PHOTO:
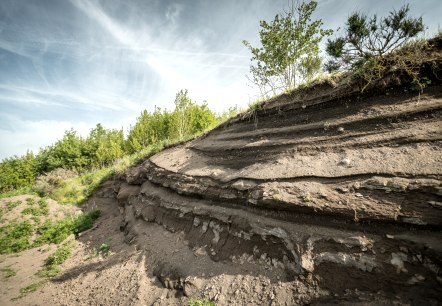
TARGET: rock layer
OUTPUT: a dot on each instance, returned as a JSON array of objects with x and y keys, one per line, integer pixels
[{"x": 327, "y": 184}]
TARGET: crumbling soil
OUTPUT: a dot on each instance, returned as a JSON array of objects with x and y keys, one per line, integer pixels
[{"x": 323, "y": 196}]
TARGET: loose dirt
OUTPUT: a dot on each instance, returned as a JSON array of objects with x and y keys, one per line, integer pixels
[{"x": 327, "y": 195}]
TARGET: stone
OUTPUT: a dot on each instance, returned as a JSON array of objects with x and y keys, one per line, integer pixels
[
  {"x": 191, "y": 286},
  {"x": 200, "y": 251},
  {"x": 243, "y": 185},
  {"x": 345, "y": 162}
]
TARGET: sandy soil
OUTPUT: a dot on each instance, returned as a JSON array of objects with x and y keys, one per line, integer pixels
[{"x": 323, "y": 196}]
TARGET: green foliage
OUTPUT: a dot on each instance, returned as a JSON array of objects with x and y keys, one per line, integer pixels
[
  {"x": 41, "y": 210},
  {"x": 16, "y": 172},
  {"x": 196, "y": 302},
  {"x": 12, "y": 204},
  {"x": 104, "y": 249},
  {"x": 55, "y": 170},
  {"x": 8, "y": 272},
  {"x": 30, "y": 288},
  {"x": 187, "y": 119},
  {"x": 290, "y": 49},
  {"x": 56, "y": 232},
  {"x": 15, "y": 237},
  {"x": 60, "y": 255},
  {"x": 367, "y": 38},
  {"x": 51, "y": 266}
]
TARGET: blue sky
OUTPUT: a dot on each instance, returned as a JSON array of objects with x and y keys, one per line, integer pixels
[{"x": 76, "y": 63}]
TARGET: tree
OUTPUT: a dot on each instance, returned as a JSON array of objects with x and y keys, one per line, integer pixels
[
  {"x": 366, "y": 38},
  {"x": 182, "y": 102},
  {"x": 290, "y": 49}
]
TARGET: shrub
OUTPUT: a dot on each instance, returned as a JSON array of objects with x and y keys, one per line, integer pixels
[
  {"x": 46, "y": 184},
  {"x": 367, "y": 38}
]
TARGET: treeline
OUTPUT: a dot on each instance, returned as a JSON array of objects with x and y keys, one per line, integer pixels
[{"x": 103, "y": 146}]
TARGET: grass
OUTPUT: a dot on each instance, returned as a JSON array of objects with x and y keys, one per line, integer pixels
[
  {"x": 8, "y": 272},
  {"x": 197, "y": 302}
]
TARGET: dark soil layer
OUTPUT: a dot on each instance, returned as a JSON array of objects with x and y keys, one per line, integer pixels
[{"x": 327, "y": 195}]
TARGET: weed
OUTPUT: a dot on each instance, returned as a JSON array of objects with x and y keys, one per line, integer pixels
[
  {"x": 56, "y": 232},
  {"x": 196, "y": 302},
  {"x": 16, "y": 192},
  {"x": 327, "y": 125},
  {"x": 306, "y": 198},
  {"x": 11, "y": 205},
  {"x": 15, "y": 237},
  {"x": 8, "y": 272},
  {"x": 42, "y": 209},
  {"x": 30, "y": 288},
  {"x": 51, "y": 266},
  {"x": 30, "y": 201},
  {"x": 104, "y": 249},
  {"x": 60, "y": 255},
  {"x": 277, "y": 197}
]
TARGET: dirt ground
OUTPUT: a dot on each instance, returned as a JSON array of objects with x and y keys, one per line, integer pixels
[{"x": 321, "y": 196}]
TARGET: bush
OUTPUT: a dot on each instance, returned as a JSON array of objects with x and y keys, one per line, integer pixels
[{"x": 46, "y": 184}]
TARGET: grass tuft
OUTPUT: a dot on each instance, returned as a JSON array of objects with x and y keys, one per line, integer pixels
[{"x": 8, "y": 272}]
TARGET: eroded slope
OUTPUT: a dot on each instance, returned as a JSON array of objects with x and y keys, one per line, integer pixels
[{"x": 329, "y": 187}]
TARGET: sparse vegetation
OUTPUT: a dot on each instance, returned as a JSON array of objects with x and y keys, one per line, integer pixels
[
  {"x": 30, "y": 288},
  {"x": 41, "y": 210},
  {"x": 8, "y": 272},
  {"x": 372, "y": 48},
  {"x": 12, "y": 204},
  {"x": 56, "y": 232},
  {"x": 51, "y": 266},
  {"x": 196, "y": 302},
  {"x": 15, "y": 237},
  {"x": 104, "y": 249}
]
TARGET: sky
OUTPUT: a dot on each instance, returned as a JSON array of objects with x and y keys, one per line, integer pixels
[{"x": 75, "y": 63}]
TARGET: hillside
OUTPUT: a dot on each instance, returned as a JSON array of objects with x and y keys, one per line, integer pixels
[{"x": 324, "y": 195}]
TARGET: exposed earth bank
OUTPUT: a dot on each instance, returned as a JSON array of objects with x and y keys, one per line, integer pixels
[{"x": 325, "y": 195}]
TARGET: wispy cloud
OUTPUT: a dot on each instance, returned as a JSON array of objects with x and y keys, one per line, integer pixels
[{"x": 81, "y": 62}]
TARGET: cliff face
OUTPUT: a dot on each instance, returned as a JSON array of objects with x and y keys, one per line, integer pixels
[{"x": 326, "y": 189}]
